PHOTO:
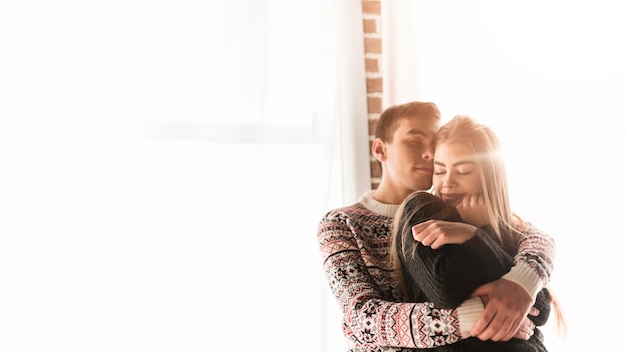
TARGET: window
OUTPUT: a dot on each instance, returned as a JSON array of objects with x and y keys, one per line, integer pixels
[{"x": 168, "y": 165}]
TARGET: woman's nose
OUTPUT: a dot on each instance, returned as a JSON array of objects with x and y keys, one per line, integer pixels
[{"x": 448, "y": 180}]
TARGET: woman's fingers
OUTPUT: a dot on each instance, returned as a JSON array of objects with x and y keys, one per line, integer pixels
[
  {"x": 426, "y": 232},
  {"x": 436, "y": 233}
]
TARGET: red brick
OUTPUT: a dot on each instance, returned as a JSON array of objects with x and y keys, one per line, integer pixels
[
  {"x": 377, "y": 171},
  {"x": 369, "y": 26},
  {"x": 373, "y": 45},
  {"x": 371, "y": 7},
  {"x": 372, "y": 126},
  {"x": 374, "y": 85},
  {"x": 374, "y": 105},
  {"x": 371, "y": 65}
]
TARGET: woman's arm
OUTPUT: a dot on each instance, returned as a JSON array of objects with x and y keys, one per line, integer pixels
[{"x": 448, "y": 275}]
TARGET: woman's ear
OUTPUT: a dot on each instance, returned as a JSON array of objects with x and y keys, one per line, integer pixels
[{"x": 379, "y": 149}]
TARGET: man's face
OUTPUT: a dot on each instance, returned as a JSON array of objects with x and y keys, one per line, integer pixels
[
  {"x": 409, "y": 161},
  {"x": 456, "y": 173}
]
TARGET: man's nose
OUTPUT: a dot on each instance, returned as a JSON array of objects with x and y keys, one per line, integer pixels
[{"x": 429, "y": 154}]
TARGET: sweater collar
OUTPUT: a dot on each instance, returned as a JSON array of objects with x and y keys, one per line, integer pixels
[{"x": 371, "y": 204}]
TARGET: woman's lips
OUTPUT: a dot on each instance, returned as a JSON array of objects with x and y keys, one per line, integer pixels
[{"x": 453, "y": 198}]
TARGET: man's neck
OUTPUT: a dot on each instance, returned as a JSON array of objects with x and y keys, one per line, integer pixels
[
  {"x": 393, "y": 195},
  {"x": 388, "y": 195}
]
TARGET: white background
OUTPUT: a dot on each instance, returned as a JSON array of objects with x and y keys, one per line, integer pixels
[{"x": 164, "y": 164}]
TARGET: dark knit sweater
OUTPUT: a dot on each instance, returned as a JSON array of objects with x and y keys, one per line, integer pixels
[
  {"x": 448, "y": 275},
  {"x": 354, "y": 249}
]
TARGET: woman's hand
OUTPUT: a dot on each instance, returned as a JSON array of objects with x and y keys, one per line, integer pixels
[
  {"x": 473, "y": 210},
  {"x": 436, "y": 233}
]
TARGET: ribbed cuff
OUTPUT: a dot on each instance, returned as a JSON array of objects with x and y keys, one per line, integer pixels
[
  {"x": 527, "y": 278},
  {"x": 469, "y": 311}
]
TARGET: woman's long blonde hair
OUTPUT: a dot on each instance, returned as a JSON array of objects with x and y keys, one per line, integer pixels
[
  {"x": 507, "y": 226},
  {"x": 484, "y": 144}
]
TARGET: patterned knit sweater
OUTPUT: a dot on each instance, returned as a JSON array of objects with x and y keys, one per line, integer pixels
[{"x": 354, "y": 246}]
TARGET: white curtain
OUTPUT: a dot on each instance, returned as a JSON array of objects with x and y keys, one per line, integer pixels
[
  {"x": 549, "y": 78},
  {"x": 400, "y": 83},
  {"x": 164, "y": 167}
]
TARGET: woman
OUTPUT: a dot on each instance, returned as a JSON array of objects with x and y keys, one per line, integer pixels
[{"x": 470, "y": 185}]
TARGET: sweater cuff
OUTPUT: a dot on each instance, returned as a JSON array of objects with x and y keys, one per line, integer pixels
[
  {"x": 469, "y": 312},
  {"x": 527, "y": 278}
]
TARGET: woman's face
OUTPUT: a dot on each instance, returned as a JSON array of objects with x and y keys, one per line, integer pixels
[{"x": 456, "y": 173}]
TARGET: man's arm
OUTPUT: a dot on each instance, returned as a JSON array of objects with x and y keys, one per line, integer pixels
[
  {"x": 369, "y": 316},
  {"x": 507, "y": 305},
  {"x": 534, "y": 262}
]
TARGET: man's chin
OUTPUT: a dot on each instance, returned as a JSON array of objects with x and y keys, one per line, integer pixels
[{"x": 423, "y": 186}]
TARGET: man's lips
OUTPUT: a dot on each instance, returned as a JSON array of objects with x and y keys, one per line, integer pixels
[{"x": 425, "y": 170}]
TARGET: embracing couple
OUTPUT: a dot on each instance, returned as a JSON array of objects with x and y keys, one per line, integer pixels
[{"x": 435, "y": 258}]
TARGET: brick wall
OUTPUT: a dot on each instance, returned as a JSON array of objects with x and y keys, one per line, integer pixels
[{"x": 373, "y": 75}]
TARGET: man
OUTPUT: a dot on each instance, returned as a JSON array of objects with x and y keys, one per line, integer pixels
[{"x": 354, "y": 244}]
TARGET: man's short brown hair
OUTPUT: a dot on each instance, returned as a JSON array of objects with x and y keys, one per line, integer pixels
[{"x": 388, "y": 121}]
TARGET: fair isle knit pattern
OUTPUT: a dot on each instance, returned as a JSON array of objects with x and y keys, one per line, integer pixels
[
  {"x": 542, "y": 265},
  {"x": 354, "y": 246},
  {"x": 354, "y": 243}
]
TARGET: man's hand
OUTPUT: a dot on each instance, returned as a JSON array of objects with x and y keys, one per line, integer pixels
[
  {"x": 436, "y": 233},
  {"x": 506, "y": 308},
  {"x": 527, "y": 329}
]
